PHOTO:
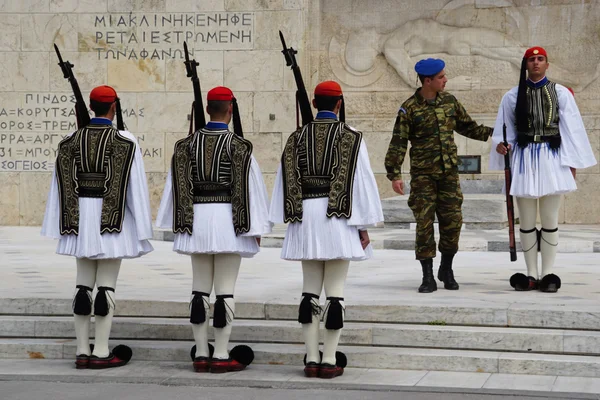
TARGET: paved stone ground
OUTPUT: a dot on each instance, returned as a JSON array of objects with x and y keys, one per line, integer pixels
[
  {"x": 573, "y": 238},
  {"x": 30, "y": 268}
]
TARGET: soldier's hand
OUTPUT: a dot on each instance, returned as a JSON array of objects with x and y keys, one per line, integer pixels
[
  {"x": 502, "y": 149},
  {"x": 364, "y": 238},
  {"x": 574, "y": 172},
  {"x": 258, "y": 240},
  {"x": 398, "y": 186}
]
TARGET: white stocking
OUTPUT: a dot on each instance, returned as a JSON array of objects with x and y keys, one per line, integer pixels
[
  {"x": 527, "y": 217},
  {"x": 227, "y": 267},
  {"x": 312, "y": 272},
  {"x": 106, "y": 275},
  {"x": 334, "y": 280},
  {"x": 86, "y": 276},
  {"x": 549, "y": 206},
  {"x": 203, "y": 274}
]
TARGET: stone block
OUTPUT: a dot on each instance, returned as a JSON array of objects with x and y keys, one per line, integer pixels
[
  {"x": 421, "y": 359},
  {"x": 473, "y": 380},
  {"x": 291, "y": 23},
  {"x": 10, "y": 199},
  {"x": 506, "y": 381},
  {"x": 547, "y": 364},
  {"x": 10, "y": 33},
  {"x": 164, "y": 112},
  {"x": 48, "y": 29},
  {"x": 282, "y": 105},
  {"x": 294, "y": 4},
  {"x": 34, "y": 188},
  {"x": 31, "y": 349},
  {"x": 17, "y": 326},
  {"x": 587, "y": 343},
  {"x": 90, "y": 72},
  {"x": 259, "y": 70},
  {"x": 78, "y": 6},
  {"x": 210, "y": 72},
  {"x": 580, "y": 205},
  {"x": 266, "y": 150},
  {"x": 247, "y": 5},
  {"x": 136, "y": 5},
  {"x": 474, "y": 338},
  {"x": 137, "y": 75},
  {"x": 156, "y": 185},
  {"x": 547, "y": 34},
  {"x": 152, "y": 146},
  {"x": 194, "y": 5},
  {"x": 29, "y": 71},
  {"x": 552, "y": 316},
  {"x": 377, "y": 145},
  {"x": 25, "y": 6}
]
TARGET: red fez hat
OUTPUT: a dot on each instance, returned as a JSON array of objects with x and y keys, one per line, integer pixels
[
  {"x": 103, "y": 94},
  {"x": 220, "y": 93},
  {"x": 328, "y": 88},
  {"x": 535, "y": 51}
]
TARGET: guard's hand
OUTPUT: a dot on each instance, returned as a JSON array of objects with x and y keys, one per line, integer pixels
[
  {"x": 398, "y": 186},
  {"x": 574, "y": 172},
  {"x": 364, "y": 238},
  {"x": 258, "y": 240},
  {"x": 502, "y": 149}
]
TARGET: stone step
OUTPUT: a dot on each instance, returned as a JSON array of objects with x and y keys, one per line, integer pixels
[
  {"x": 581, "y": 317},
  {"x": 388, "y": 335},
  {"x": 358, "y": 357},
  {"x": 480, "y": 211}
]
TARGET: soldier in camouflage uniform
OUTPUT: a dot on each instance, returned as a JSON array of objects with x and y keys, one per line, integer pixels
[{"x": 428, "y": 119}]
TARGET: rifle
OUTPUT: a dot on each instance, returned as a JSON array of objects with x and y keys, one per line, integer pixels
[
  {"x": 197, "y": 118},
  {"x": 510, "y": 211},
  {"x": 302, "y": 101},
  {"x": 81, "y": 111}
]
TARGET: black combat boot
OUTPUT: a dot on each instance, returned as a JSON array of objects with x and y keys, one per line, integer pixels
[
  {"x": 428, "y": 284},
  {"x": 445, "y": 273}
]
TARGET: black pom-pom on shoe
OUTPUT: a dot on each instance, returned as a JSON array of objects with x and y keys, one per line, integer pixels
[
  {"x": 521, "y": 283},
  {"x": 550, "y": 283},
  {"x": 242, "y": 354}
]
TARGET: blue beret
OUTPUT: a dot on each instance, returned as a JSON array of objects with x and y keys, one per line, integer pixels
[{"x": 430, "y": 66}]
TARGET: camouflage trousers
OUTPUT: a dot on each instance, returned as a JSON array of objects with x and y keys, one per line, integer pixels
[{"x": 432, "y": 195}]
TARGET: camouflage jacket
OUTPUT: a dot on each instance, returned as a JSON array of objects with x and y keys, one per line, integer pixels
[{"x": 430, "y": 128}]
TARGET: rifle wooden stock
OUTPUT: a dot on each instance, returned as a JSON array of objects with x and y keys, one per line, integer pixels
[
  {"x": 301, "y": 95},
  {"x": 81, "y": 111},
  {"x": 510, "y": 210},
  {"x": 198, "y": 117}
]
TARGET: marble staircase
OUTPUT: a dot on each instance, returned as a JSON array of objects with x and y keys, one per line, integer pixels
[{"x": 526, "y": 339}]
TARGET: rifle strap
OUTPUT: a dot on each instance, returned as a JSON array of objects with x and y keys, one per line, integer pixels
[
  {"x": 297, "y": 109},
  {"x": 192, "y": 119}
]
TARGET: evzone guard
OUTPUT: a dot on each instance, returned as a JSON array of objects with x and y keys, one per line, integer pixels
[
  {"x": 216, "y": 203},
  {"x": 547, "y": 143},
  {"x": 98, "y": 209}
]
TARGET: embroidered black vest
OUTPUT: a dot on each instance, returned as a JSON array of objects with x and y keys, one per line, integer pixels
[
  {"x": 211, "y": 167},
  {"x": 319, "y": 160},
  {"x": 543, "y": 118},
  {"x": 94, "y": 162}
]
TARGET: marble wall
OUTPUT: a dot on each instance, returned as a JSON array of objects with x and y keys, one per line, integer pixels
[{"x": 368, "y": 46}]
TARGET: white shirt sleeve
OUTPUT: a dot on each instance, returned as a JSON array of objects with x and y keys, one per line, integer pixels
[
  {"x": 575, "y": 149},
  {"x": 366, "y": 204},
  {"x": 259, "y": 202}
]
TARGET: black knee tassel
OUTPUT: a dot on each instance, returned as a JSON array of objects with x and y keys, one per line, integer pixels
[
  {"x": 101, "y": 304},
  {"x": 82, "y": 303},
  {"x": 221, "y": 317},
  {"x": 335, "y": 313},
  {"x": 308, "y": 308},
  {"x": 197, "y": 309}
]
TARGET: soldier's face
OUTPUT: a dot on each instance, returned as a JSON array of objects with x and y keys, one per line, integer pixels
[
  {"x": 536, "y": 67},
  {"x": 438, "y": 82}
]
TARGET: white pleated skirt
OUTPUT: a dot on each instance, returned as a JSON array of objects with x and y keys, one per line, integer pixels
[
  {"x": 89, "y": 243},
  {"x": 537, "y": 172},
  {"x": 213, "y": 233},
  {"x": 320, "y": 238}
]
